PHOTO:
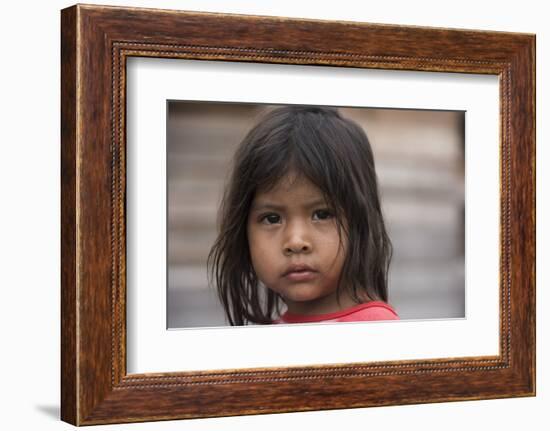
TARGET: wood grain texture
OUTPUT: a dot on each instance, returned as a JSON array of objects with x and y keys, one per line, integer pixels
[
  {"x": 96, "y": 41},
  {"x": 69, "y": 366}
]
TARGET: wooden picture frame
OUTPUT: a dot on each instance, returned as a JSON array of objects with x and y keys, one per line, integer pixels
[{"x": 96, "y": 41}]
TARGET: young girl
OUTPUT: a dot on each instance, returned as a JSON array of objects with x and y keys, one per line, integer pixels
[{"x": 301, "y": 224}]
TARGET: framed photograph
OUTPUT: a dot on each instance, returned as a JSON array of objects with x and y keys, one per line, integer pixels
[{"x": 320, "y": 214}]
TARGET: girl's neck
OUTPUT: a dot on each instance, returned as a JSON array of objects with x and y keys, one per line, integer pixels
[{"x": 325, "y": 305}]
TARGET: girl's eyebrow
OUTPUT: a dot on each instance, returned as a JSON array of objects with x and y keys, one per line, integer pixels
[{"x": 266, "y": 205}]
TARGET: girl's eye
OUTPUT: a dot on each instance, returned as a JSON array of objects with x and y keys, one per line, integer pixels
[
  {"x": 271, "y": 219},
  {"x": 322, "y": 215}
]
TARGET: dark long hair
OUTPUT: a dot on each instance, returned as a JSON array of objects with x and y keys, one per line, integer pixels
[{"x": 333, "y": 153}]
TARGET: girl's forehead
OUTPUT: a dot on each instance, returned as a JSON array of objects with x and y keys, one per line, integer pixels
[{"x": 291, "y": 183}]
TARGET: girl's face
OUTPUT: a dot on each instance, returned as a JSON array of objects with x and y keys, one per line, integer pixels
[{"x": 295, "y": 247}]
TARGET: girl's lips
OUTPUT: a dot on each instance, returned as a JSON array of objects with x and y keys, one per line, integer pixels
[{"x": 302, "y": 275}]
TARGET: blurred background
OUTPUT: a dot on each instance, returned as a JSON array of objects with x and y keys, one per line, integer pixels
[{"x": 419, "y": 157}]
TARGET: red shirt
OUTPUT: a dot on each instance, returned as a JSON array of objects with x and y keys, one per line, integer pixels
[{"x": 367, "y": 312}]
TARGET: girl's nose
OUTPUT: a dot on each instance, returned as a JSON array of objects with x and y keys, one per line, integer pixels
[
  {"x": 296, "y": 248},
  {"x": 296, "y": 241}
]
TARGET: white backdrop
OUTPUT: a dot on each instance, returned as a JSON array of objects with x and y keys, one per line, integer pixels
[
  {"x": 151, "y": 348},
  {"x": 29, "y": 221}
]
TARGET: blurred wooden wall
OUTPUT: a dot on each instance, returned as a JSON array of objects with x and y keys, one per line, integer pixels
[{"x": 419, "y": 158}]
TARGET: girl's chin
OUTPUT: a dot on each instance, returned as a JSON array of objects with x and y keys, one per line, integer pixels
[{"x": 302, "y": 294}]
